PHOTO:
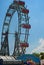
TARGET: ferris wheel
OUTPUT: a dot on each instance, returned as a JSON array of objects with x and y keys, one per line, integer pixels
[{"x": 23, "y": 24}]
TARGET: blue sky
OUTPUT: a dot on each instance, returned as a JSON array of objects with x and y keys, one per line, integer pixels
[{"x": 36, "y": 13}]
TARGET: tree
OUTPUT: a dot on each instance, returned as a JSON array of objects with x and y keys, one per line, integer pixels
[
  {"x": 36, "y": 54},
  {"x": 42, "y": 55}
]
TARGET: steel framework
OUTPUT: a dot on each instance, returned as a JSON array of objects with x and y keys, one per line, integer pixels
[{"x": 22, "y": 12}]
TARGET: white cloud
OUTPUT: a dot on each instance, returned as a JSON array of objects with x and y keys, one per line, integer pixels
[{"x": 40, "y": 47}]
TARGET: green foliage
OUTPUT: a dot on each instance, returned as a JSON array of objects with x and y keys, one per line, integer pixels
[
  {"x": 36, "y": 54},
  {"x": 41, "y": 55}
]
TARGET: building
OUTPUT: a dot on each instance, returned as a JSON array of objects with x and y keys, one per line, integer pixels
[
  {"x": 9, "y": 60},
  {"x": 28, "y": 57}
]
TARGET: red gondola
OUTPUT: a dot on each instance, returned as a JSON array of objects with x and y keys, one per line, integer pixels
[
  {"x": 15, "y": 1},
  {"x": 26, "y": 26},
  {"x": 26, "y": 11},
  {"x": 24, "y": 44},
  {"x": 11, "y": 7},
  {"x": 21, "y": 3},
  {"x": 8, "y": 14}
]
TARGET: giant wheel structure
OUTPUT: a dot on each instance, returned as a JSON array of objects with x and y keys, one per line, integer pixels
[{"x": 19, "y": 47}]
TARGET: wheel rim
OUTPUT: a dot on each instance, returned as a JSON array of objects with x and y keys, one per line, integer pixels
[{"x": 5, "y": 30}]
